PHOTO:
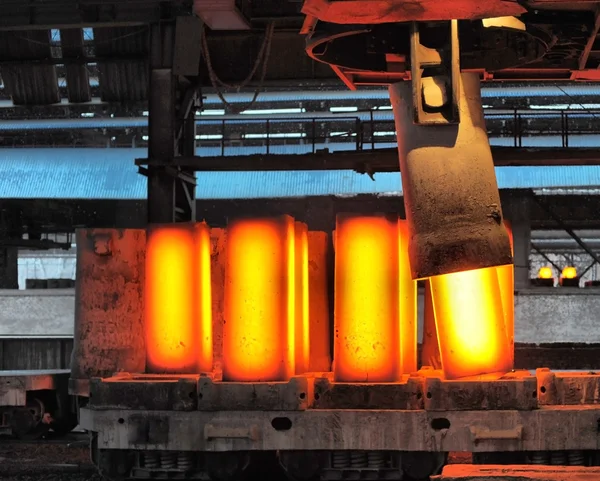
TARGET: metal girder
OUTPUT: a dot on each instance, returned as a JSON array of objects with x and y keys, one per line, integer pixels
[
  {"x": 171, "y": 127},
  {"x": 373, "y": 161}
]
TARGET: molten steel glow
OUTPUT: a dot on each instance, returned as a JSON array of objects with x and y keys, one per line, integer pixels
[
  {"x": 178, "y": 299},
  {"x": 408, "y": 304},
  {"x": 367, "y": 333},
  {"x": 506, "y": 279},
  {"x": 302, "y": 334},
  {"x": 470, "y": 323},
  {"x": 545, "y": 273},
  {"x": 569, "y": 273},
  {"x": 262, "y": 309}
]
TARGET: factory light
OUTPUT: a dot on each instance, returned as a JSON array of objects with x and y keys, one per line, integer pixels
[
  {"x": 274, "y": 111},
  {"x": 569, "y": 277},
  {"x": 276, "y": 135},
  {"x": 470, "y": 323},
  {"x": 545, "y": 273},
  {"x": 545, "y": 278},
  {"x": 370, "y": 274},
  {"x": 211, "y": 112},
  {"x": 178, "y": 299},
  {"x": 261, "y": 295},
  {"x": 209, "y": 137},
  {"x": 569, "y": 273},
  {"x": 343, "y": 109}
]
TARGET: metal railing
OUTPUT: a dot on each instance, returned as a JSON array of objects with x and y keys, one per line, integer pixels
[{"x": 371, "y": 130}]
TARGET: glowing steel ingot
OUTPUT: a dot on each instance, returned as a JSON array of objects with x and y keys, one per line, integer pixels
[
  {"x": 319, "y": 252},
  {"x": 369, "y": 306},
  {"x": 408, "y": 304},
  {"x": 449, "y": 186},
  {"x": 264, "y": 301},
  {"x": 470, "y": 323},
  {"x": 178, "y": 299},
  {"x": 506, "y": 279},
  {"x": 302, "y": 330}
]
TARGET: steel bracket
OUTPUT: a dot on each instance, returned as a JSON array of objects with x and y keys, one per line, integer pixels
[{"x": 435, "y": 72}]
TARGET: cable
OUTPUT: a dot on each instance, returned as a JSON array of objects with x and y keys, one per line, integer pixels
[{"x": 263, "y": 55}]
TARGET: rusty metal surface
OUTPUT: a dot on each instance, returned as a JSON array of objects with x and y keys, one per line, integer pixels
[
  {"x": 567, "y": 389},
  {"x": 295, "y": 395},
  {"x": 388, "y": 11},
  {"x": 516, "y": 390},
  {"x": 153, "y": 392},
  {"x": 332, "y": 395},
  {"x": 15, "y": 384},
  {"x": 109, "y": 315},
  {"x": 550, "y": 428},
  {"x": 470, "y": 472}
]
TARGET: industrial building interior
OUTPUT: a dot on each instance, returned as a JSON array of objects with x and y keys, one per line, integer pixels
[{"x": 303, "y": 239}]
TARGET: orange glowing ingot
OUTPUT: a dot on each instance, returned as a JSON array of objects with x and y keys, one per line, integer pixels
[
  {"x": 470, "y": 323},
  {"x": 178, "y": 299},
  {"x": 506, "y": 279},
  {"x": 407, "y": 305},
  {"x": 367, "y": 321},
  {"x": 265, "y": 299}
]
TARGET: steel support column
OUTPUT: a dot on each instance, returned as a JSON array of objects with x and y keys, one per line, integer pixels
[
  {"x": 174, "y": 97},
  {"x": 9, "y": 273},
  {"x": 518, "y": 213}
]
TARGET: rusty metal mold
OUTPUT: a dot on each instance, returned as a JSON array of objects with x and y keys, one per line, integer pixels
[
  {"x": 152, "y": 392},
  {"x": 339, "y": 395},
  {"x": 294, "y": 395},
  {"x": 109, "y": 313},
  {"x": 513, "y": 391},
  {"x": 567, "y": 389}
]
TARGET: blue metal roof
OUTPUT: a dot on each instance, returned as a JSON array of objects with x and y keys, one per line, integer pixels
[
  {"x": 47, "y": 173},
  {"x": 382, "y": 93}
]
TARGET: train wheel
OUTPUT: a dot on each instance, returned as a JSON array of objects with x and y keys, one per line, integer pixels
[{"x": 29, "y": 422}]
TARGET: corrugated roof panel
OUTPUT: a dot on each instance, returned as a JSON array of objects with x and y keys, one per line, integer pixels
[
  {"x": 126, "y": 78},
  {"x": 28, "y": 84},
  {"x": 575, "y": 90},
  {"x": 111, "y": 174}
]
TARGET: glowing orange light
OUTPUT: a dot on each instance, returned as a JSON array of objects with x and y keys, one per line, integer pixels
[
  {"x": 367, "y": 333},
  {"x": 319, "y": 315},
  {"x": 545, "y": 273},
  {"x": 470, "y": 323},
  {"x": 261, "y": 305},
  {"x": 407, "y": 305},
  {"x": 569, "y": 273},
  {"x": 302, "y": 335},
  {"x": 506, "y": 279},
  {"x": 178, "y": 299}
]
